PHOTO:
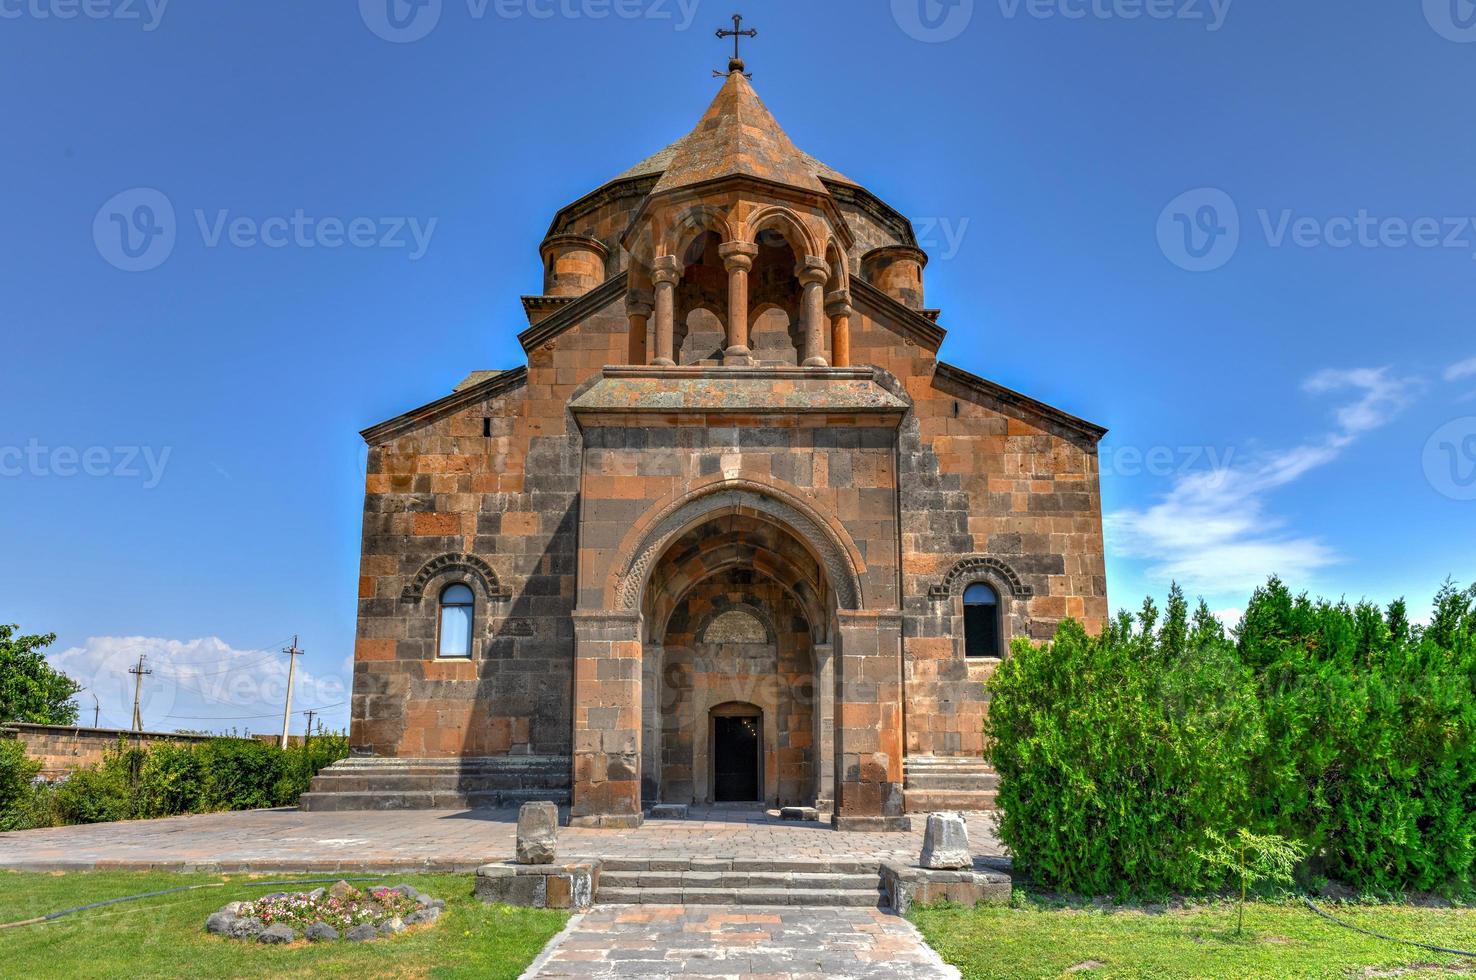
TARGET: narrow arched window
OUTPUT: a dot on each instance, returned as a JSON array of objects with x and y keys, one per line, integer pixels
[
  {"x": 457, "y": 606},
  {"x": 982, "y": 636}
]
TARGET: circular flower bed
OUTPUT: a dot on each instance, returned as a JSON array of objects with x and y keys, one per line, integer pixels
[{"x": 326, "y": 914}]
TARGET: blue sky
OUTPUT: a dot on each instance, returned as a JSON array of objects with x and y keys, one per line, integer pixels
[{"x": 1238, "y": 234}]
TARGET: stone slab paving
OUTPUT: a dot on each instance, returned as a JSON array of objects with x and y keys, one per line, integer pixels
[
  {"x": 628, "y": 941},
  {"x": 436, "y": 840}
]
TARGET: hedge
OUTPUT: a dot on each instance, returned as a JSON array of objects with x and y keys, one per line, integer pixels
[
  {"x": 163, "y": 780},
  {"x": 1341, "y": 727}
]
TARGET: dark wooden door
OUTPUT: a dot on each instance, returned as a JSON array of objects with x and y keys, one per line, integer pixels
[{"x": 735, "y": 752}]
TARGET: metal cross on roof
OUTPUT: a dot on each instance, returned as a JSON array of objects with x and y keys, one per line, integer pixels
[{"x": 736, "y": 63}]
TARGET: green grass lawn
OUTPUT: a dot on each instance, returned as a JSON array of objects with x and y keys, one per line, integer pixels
[
  {"x": 165, "y": 937},
  {"x": 1281, "y": 940}
]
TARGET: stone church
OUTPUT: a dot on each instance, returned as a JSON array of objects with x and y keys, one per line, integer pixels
[{"x": 734, "y": 534}]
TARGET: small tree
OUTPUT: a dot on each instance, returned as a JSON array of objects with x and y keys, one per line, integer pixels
[
  {"x": 31, "y": 689},
  {"x": 1257, "y": 859}
]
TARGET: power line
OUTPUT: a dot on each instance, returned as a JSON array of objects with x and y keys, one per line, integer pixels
[{"x": 272, "y": 714}]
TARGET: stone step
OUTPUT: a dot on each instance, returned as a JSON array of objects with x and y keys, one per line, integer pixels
[
  {"x": 805, "y": 881},
  {"x": 425, "y": 800},
  {"x": 950, "y": 781},
  {"x": 934, "y": 800},
  {"x": 739, "y": 896},
  {"x": 840, "y": 866},
  {"x": 343, "y": 782}
]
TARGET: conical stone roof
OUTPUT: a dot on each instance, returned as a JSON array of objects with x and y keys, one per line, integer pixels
[{"x": 736, "y": 136}]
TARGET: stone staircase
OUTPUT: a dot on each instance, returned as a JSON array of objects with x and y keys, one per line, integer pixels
[
  {"x": 933, "y": 783},
  {"x": 739, "y": 881},
  {"x": 438, "y": 784}
]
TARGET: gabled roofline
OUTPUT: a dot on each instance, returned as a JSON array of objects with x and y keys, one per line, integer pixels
[
  {"x": 1009, "y": 396},
  {"x": 583, "y": 307},
  {"x": 498, "y": 384},
  {"x": 913, "y": 324}
]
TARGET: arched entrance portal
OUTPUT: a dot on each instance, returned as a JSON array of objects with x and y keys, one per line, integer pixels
[
  {"x": 735, "y": 669},
  {"x": 734, "y": 592}
]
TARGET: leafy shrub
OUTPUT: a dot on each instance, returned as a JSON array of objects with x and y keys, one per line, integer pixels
[
  {"x": 164, "y": 779},
  {"x": 17, "y": 771},
  {"x": 1120, "y": 755}
]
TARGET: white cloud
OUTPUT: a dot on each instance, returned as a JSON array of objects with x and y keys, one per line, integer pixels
[
  {"x": 1229, "y": 618},
  {"x": 1212, "y": 532},
  {"x": 1461, "y": 369},
  {"x": 202, "y": 684}
]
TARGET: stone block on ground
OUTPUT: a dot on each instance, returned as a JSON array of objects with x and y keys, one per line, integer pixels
[
  {"x": 807, "y": 813},
  {"x": 669, "y": 811},
  {"x": 537, "y": 886},
  {"x": 946, "y": 843},
  {"x": 903, "y": 887},
  {"x": 538, "y": 828}
]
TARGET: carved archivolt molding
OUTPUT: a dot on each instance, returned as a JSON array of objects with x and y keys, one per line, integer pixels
[
  {"x": 469, "y": 566},
  {"x": 746, "y": 498},
  {"x": 971, "y": 568}
]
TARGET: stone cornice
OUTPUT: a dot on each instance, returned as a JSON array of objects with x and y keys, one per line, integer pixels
[
  {"x": 910, "y": 322},
  {"x": 582, "y": 308},
  {"x": 1023, "y": 403},
  {"x": 496, "y": 385}
]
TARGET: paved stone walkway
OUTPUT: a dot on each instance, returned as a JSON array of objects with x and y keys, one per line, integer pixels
[
  {"x": 435, "y": 840},
  {"x": 750, "y": 942}
]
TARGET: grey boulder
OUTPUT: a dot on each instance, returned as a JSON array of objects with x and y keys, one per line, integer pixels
[
  {"x": 320, "y": 932},
  {"x": 277, "y": 934},
  {"x": 361, "y": 933}
]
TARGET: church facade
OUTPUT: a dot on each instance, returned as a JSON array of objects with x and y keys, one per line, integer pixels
[{"x": 735, "y": 533}]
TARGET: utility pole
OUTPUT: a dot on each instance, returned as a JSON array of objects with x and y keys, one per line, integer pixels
[
  {"x": 292, "y": 654},
  {"x": 138, "y": 676},
  {"x": 307, "y": 733},
  {"x": 96, "y": 709}
]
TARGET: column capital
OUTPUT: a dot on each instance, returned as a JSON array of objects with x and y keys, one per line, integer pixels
[
  {"x": 838, "y": 303},
  {"x": 639, "y": 302},
  {"x": 812, "y": 271},
  {"x": 738, "y": 255},
  {"x": 666, "y": 271}
]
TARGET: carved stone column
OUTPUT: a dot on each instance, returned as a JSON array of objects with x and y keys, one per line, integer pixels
[
  {"x": 824, "y": 735},
  {"x": 666, "y": 275},
  {"x": 813, "y": 274},
  {"x": 651, "y": 722},
  {"x": 638, "y": 306},
  {"x": 738, "y": 259},
  {"x": 838, "y": 308}
]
